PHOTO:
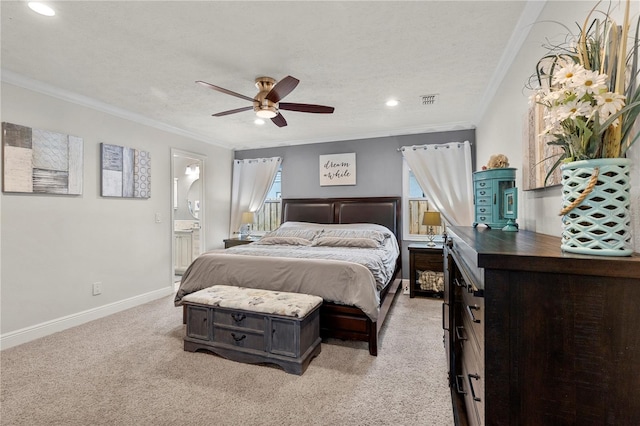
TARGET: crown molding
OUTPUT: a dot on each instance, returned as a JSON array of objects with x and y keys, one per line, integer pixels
[
  {"x": 19, "y": 80},
  {"x": 523, "y": 27}
]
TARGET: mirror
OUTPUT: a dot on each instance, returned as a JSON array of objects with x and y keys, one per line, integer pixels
[{"x": 193, "y": 198}]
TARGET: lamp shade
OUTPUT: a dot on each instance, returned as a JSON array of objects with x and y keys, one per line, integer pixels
[
  {"x": 247, "y": 217},
  {"x": 431, "y": 219}
]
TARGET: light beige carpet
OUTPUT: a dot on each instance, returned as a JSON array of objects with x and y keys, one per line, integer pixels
[{"x": 130, "y": 369}]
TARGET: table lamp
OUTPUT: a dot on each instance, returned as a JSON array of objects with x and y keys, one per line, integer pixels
[
  {"x": 431, "y": 219},
  {"x": 246, "y": 221}
]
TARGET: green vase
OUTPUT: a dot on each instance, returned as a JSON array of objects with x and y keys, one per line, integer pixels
[{"x": 600, "y": 224}]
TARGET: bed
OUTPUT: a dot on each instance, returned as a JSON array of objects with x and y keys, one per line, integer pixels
[{"x": 312, "y": 253}]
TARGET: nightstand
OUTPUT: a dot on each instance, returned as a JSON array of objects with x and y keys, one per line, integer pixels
[
  {"x": 237, "y": 241},
  {"x": 425, "y": 270}
]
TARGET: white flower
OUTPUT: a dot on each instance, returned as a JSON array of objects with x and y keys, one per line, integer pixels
[
  {"x": 575, "y": 108},
  {"x": 568, "y": 73},
  {"x": 589, "y": 82},
  {"x": 609, "y": 103}
]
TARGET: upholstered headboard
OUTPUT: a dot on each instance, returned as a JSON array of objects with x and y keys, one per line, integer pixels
[{"x": 381, "y": 210}]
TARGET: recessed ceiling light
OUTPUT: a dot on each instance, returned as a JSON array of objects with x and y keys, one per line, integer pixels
[
  {"x": 392, "y": 102},
  {"x": 41, "y": 8},
  {"x": 259, "y": 121}
]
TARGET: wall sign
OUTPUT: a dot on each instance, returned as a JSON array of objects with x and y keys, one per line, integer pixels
[
  {"x": 39, "y": 161},
  {"x": 126, "y": 172},
  {"x": 338, "y": 169}
]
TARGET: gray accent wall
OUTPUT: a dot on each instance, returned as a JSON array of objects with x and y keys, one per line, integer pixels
[
  {"x": 378, "y": 164},
  {"x": 378, "y": 167}
]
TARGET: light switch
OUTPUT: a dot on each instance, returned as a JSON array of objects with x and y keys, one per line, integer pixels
[{"x": 158, "y": 218}]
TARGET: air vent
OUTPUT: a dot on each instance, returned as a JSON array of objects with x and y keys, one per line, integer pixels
[{"x": 428, "y": 99}]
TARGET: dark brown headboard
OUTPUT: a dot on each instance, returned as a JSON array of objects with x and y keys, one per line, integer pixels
[{"x": 381, "y": 210}]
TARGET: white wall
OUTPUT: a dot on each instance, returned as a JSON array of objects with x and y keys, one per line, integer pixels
[
  {"x": 501, "y": 128},
  {"x": 55, "y": 247}
]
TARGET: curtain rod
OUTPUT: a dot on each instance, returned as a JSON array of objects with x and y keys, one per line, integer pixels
[{"x": 425, "y": 146}]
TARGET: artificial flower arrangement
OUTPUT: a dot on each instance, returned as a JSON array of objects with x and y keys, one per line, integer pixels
[{"x": 589, "y": 87}]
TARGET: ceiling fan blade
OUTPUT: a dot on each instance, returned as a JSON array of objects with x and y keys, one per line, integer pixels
[
  {"x": 223, "y": 90},
  {"x": 282, "y": 89},
  {"x": 316, "y": 109},
  {"x": 279, "y": 120},
  {"x": 232, "y": 111}
]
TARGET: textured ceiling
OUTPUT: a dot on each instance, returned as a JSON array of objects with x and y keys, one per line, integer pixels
[{"x": 141, "y": 59}]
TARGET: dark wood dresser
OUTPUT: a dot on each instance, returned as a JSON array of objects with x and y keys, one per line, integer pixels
[{"x": 535, "y": 336}]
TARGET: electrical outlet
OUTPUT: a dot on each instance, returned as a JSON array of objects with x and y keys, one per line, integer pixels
[
  {"x": 97, "y": 288},
  {"x": 405, "y": 287}
]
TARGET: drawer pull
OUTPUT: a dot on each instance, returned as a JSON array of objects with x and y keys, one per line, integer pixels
[
  {"x": 495, "y": 198},
  {"x": 475, "y": 308},
  {"x": 473, "y": 393},
  {"x": 443, "y": 327},
  {"x": 238, "y": 317},
  {"x": 238, "y": 339},
  {"x": 459, "y": 380},
  {"x": 459, "y": 333}
]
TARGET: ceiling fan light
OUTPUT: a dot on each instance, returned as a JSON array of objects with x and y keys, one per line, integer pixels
[{"x": 269, "y": 112}]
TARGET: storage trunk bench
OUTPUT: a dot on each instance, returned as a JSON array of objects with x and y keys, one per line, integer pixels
[{"x": 254, "y": 326}]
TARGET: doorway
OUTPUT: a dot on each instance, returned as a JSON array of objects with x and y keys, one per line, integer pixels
[{"x": 187, "y": 209}]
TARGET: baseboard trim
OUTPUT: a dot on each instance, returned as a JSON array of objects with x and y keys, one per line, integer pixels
[{"x": 37, "y": 331}]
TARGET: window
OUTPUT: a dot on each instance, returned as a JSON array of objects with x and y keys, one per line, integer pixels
[
  {"x": 414, "y": 204},
  {"x": 268, "y": 217}
]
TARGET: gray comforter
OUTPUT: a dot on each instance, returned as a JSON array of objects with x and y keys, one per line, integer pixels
[{"x": 349, "y": 276}]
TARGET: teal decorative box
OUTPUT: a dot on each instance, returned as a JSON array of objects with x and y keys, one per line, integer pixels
[{"x": 488, "y": 195}]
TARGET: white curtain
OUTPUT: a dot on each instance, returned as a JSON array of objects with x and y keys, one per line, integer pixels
[
  {"x": 251, "y": 182},
  {"x": 444, "y": 174}
]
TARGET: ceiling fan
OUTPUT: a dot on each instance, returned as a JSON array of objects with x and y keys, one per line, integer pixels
[{"x": 267, "y": 103}]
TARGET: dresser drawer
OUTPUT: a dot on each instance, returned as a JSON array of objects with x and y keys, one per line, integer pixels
[
  {"x": 483, "y": 184},
  {"x": 473, "y": 317},
  {"x": 472, "y": 384},
  {"x": 484, "y": 194},
  {"x": 240, "y": 319},
  {"x": 473, "y": 339},
  {"x": 239, "y": 338},
  {"x": 428, "y": 263},
  {"x": 485, "y": 217},
  {"x": 484, "y": 210}
]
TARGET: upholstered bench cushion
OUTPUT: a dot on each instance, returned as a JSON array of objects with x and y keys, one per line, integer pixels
[{"x": 255, "y": 300}]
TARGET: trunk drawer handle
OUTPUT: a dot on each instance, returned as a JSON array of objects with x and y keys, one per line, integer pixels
[
  {"x": 238, "y": 338},
  {"x": 238, "y": 317}
]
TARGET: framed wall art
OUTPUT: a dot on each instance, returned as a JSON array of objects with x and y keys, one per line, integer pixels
[
  {"x": 338, "y": 169},
  {"x": 538, "y": 156},
  {"x": 40, "y": 161},
  {"x": 126, "y": 172}
]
